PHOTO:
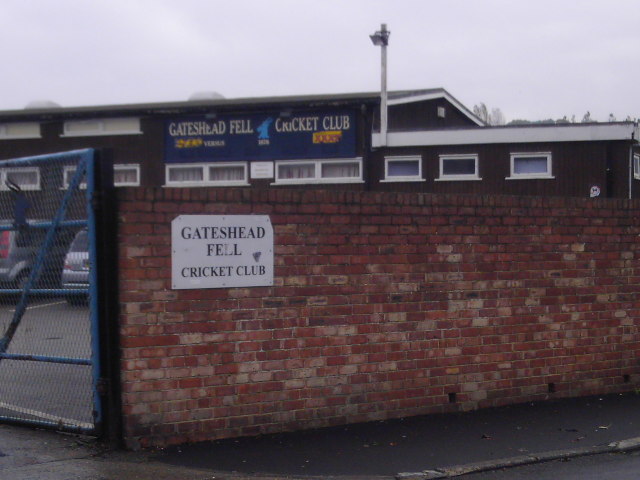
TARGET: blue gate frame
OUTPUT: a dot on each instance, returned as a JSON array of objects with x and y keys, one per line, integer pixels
[{"x": 83, "y": 178}]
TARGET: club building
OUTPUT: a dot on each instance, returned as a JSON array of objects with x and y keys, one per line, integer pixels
[
  {"x": 433, "y": 144},
  {"x": 372, "y": 274}
]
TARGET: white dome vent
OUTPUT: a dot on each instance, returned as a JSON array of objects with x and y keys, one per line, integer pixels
[
  {"x": 41, "y": 105},
  {"x": 203, "y": 96}
]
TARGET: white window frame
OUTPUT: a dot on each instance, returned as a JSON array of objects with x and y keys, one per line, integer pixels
[
  {"x": 97, "y": 127},
  {"x": 317, "y": 177},
  {"x": 127, "y": 166},
  {"x": 206, "y": 182},
  {"x": 69, "y": 170},
  {"x": 10, "y": 131},
  {"x": 531, "y": 176},
  {"x": 636, "y": 166},
  {"x": 25, "y": 187},
  {"x": 442, "y": 177},
  {"x": 402, "y": 178}
]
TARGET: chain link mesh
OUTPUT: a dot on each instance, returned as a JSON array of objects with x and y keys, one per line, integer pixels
[{"x": 45, "y": 306}]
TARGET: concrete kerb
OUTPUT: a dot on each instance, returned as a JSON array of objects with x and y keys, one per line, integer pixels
[{"x": 627, "y": 445}]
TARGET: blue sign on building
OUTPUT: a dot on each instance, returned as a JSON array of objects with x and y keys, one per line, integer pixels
[{"x": 260, "y": 137}]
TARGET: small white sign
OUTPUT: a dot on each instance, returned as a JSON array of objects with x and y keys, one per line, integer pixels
[
  {"x": 261, "y": 169},
  {"x": 221, "y": 251},
  {"x": 594, "y": 192}
]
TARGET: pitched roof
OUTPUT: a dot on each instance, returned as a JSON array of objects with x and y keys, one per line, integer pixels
[{"x": 230, "y": 104}]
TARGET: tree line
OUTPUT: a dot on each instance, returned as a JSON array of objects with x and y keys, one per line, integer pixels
[{"x": 495, "y": 117}]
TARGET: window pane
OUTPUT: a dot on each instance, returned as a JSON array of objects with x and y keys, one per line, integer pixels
[
  {"x": 121, "y": 125},
  {"x": 69, "y": 173},
  {"x": 530, "y": 165},
  {"x": 111, "y": 126},
  {"x": 458, "y": 166},
  {"x": 81, "y": 242},
  {"x": 340, "y": 170},
  {"x": 405, "y": 168},
  {"x": 83, "y": 126},
  {"x": 296, "y": 171},
  {"x": 23, "y": 177},
  {"x": 18, "y": 130},
  {"x": 68, "y": 176},
  {"x": 192, "y": 174},
  {"x": 226, "y": 173},
  {"x": 125, "y": 175}
]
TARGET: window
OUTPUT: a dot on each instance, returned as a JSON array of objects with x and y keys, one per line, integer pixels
[
  {"x": 102, "y": 126},
  {"x": 459, "y": 167},
  {"x": 209, "y": 174},
  {"x": 126, "y": 175},
  {"x": 403, "y": 169},
  {"x": 19, "y": 130},
  {"x": 319, "y": 171},
  {"x": 636, "y": 167},
  {"x": 67, "y": 176},
  {"x": 27, "y": 178},
  {"x": 530, "y": 165},
  {"x": 228, "y": 173},
  {"x": 296, "y": 171}
]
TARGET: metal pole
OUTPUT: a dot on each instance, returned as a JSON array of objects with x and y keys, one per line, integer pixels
[
  {"x": 381, "y": 39},
  {"x": 383, "y": 86}
]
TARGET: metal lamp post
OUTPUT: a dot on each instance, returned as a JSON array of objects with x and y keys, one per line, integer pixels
[{"x": 381, "y": 39}]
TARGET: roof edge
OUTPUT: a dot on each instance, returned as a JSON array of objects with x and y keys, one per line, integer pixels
[
  {"x": 396, "y": 97},
  {"x": 438, "y": 93},
  {"x": 515, "y": 134}
]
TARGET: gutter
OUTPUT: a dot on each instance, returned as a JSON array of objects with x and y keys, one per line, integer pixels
[{"x": 516, "y": 134}]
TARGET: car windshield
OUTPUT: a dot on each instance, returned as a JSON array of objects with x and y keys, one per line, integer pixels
[{"x": 80, "y": 243}]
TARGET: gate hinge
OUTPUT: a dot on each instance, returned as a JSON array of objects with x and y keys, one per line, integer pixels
[{"x": 102, "y": 387}]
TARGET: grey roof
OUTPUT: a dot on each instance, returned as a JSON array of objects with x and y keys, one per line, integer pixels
[{"x": 224, "y": 104}]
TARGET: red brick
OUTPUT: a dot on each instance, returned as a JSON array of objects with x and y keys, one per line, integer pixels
[{"x": 382, "y": 302}]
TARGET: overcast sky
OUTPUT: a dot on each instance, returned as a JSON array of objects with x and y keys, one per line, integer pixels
[{"x": 533, "y": 59}]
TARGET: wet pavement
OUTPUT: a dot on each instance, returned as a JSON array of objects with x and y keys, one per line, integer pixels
[
  {"x": 29, "y": 454},
  {"x": 420, "y": 443},
  {"x": 386, "y": 449}
]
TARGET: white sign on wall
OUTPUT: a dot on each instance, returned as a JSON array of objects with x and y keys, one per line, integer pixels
[
  {"x": 221, "y": 251},
  {"x": 261, "y": 169}
]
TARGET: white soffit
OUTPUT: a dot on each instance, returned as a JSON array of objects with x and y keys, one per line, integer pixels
[{"x": 487, "y": 135}]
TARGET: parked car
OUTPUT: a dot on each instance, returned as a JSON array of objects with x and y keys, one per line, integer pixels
[
  {"x": 19, "y": 249},
  {"x": 75, "y": 273}
]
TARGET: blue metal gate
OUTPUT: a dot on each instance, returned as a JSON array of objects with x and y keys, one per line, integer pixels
[{"x": 49, "y": 345}]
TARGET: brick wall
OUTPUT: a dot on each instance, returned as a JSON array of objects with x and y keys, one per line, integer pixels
[{"x": 384, "y": 305}]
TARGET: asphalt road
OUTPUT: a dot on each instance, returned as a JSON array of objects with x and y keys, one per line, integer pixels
[{"x": 47, "y": 391}]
